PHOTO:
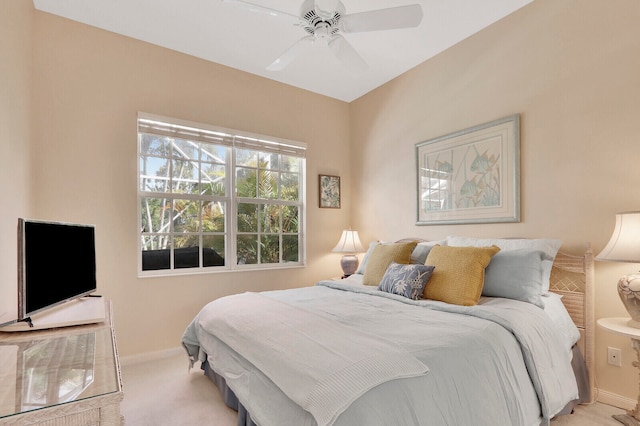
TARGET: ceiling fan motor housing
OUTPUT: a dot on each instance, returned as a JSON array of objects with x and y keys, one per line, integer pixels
[{"x": 317, "y": 25}]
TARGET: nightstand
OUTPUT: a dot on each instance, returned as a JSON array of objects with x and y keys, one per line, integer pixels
[{"x": 619, "y": 326}]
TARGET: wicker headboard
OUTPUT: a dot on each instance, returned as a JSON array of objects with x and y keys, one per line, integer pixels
[{"x": 573, "y": 278}]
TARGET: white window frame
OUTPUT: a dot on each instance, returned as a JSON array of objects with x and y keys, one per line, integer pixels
[{"x": 239, "y": 139}]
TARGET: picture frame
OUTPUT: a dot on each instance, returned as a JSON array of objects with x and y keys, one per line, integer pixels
[
  {"x": 470, "y": 176},
  {"x": 329, "y": 191}
]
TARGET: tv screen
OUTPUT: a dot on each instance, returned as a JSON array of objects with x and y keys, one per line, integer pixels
[{"x": 56, "y": 263}]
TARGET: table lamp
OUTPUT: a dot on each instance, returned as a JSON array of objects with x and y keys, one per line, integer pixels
[
  {"x": 624, "y": 246},
  {"x": 350, "y": 245}
]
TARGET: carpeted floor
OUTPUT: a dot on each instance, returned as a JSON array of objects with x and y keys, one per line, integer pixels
[{"x": 161, "y": 392}]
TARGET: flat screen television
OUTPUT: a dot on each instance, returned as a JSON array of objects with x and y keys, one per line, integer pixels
[{"x": 56, "y": 264}]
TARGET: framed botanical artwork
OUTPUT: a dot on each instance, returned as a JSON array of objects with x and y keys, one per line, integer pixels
[
  {"x": 470, "y": 176},
  {"x": 329, "y": 190}
]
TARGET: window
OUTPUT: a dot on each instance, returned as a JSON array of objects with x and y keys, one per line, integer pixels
[{"x": 214, "y": 199}]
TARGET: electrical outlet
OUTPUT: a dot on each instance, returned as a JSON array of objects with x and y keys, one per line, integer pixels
[{"x": 614, "y": 356}]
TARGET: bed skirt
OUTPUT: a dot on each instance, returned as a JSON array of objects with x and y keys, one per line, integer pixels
[
  {"x": 244, "y": 418},
  {"x": 229, "y": 398}
]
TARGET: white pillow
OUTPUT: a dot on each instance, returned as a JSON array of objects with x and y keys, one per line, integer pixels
[
  {"x": 549, "y": 247},
  {"x": 365, "y": 258}
]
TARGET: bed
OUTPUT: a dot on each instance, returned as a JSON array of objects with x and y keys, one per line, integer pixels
[{"x": 382, "y": 347}]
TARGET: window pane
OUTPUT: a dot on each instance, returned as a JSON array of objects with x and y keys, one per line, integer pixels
[
  {"x": 290, "y": 252},
  {"x": 154, "y": 145},
  {"x": 269, "y": 160},
  {"x": 267, "y": 185},
  {"x": 213, "y": 216},
  {"x": 155, "y": 241},
  {"x": 270, "y": 252},
  {"x": 186, "y": 240},
  {"x": 154, "y": 174},
  {"x": 290, "y": 220},
  {"x": 213, "y": 153},
  {"x": 156, "y": 252},
  {"x": 213, "y": 250},
  {"x": 185, "y": 149},
  {"x": 270, "y": 218},
  {"x": 213, "y": 179},
  {"x": 186, "y": 252},
  {"x": 186, "y": 216},
  {"x": 246, "y": 157},
  {"x": 246, "y": 183},
  {"x": 247, "y": 247},
  {"x": 185, "y": 177},
  {"x": 289, "y": 164},
  {"x": 289, "y": 186},
  {"x": 155, "y": 214},
  {"x": 247, "y": 217}
]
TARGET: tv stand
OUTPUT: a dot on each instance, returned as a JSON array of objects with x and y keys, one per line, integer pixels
[
  {"x": 61, "y": 377},
  {"x": 86, "y": 310}
]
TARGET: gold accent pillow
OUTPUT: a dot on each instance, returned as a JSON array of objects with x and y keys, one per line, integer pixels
[
  {"x": 382, "y": 256},
  {"x": 459, "y": 274}
]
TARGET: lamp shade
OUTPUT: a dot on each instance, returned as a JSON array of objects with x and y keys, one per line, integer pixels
[
  {"x": 349, "y": 243},
  {"x": 624, "y": 245}
]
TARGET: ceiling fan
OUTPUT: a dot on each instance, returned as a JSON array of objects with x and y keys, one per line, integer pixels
[{"x": 326, "y": 20}]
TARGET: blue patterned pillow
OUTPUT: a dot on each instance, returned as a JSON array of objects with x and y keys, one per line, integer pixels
[{"x": 406, "y": 280}]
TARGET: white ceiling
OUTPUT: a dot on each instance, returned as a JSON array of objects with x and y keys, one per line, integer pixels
[{"x": 225, "y": 33}]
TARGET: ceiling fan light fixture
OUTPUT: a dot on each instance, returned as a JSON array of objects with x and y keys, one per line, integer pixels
[{"x": 322, "y": 30}]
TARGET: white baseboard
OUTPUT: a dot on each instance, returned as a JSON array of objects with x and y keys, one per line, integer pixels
[
  {"x": 616, "y": 400},
  {"x": 150, "y": 356}
]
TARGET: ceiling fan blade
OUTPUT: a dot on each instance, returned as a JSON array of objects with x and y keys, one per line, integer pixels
[
  {"x": 347, "y": 54},
  {"x": 326, "y": 8},
  {"x": 256, "y": 8},
  {"x": 290, "y": 54},
  {"x": 382, "y": 19}
]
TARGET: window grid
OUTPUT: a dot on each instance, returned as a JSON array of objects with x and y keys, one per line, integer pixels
[{"x": 187, "y": 180}]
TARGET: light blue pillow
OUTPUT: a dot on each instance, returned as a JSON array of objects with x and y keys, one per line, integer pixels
[
  {"x": 549, "y": 247},
  {"x": 418, "y": 256},
  {"x": 516, "y": 274},
  {"x": 406, "y": 280},
  {"x": 421, "y": 251}
]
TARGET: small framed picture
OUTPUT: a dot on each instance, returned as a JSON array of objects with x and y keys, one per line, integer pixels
[{"x": 329, "y": 191}]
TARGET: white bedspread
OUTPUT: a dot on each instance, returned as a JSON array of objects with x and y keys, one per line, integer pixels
[
  {"x": 499, "y": 363},
  {"x": 288, "y": 344}
]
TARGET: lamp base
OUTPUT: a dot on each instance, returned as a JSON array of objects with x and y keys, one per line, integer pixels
[
  {"x": 629, "y": 291},
  {"x": 349, "y": 264}
]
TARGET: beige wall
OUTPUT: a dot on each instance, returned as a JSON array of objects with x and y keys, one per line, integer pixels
[
  {"x": 571, "y": 68},
  {"x": 90, "y": 84},
  {"x": 15, "y": 107}
]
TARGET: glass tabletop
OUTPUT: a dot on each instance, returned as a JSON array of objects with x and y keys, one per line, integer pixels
[{"x": 41, "y": 372}]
